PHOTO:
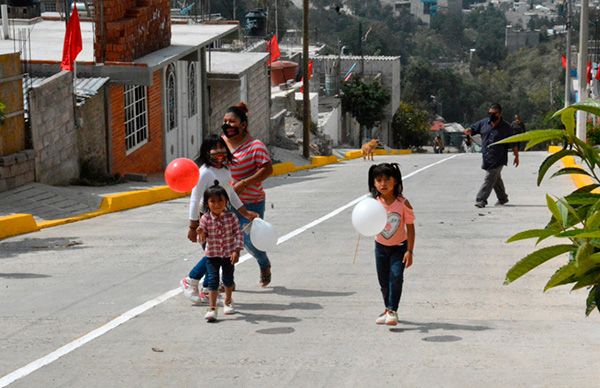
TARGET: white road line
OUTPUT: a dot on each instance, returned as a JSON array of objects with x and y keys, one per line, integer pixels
[{"x": 134, "y": 312}]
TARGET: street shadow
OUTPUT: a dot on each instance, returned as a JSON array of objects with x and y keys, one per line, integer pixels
[
  {"x": 426, "y": 327},
  {"x": 442, "y": 338},
  {"x": 14, "y": 248},
  {"x": 23, "y": 275},
  {"x": 258, "y": 318},
  {"x": 276, "y": 330},
  {"x": 279, "y": 306},
  {"x": 279, "y": 290}
]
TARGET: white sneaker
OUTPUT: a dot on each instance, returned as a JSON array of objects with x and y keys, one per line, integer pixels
[
  {"x": 190, "y": 290},
  {"x": 228, "y": 308},
  {"x": 381, "y": 318},
  {"x": 391, "y": 318},
  {"x": 211, "y": 315}
]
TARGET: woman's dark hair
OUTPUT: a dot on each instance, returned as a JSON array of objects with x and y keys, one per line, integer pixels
[
  {"x": 240, "y": 110},
  {"x": 208, "y": 144},
  {"x": 390, "y": 170},
  {"x": 214, "y": 191}
]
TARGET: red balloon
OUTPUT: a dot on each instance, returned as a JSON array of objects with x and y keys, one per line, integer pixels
[{"x": 182, "y": 174}]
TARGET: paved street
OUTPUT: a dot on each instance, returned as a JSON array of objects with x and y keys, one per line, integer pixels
[{"x": 314, "y": 326}]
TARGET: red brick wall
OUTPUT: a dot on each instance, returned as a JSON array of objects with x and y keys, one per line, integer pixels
[
  {"x": 148, "y": 158},
  {"x": 132, "y": 28}
]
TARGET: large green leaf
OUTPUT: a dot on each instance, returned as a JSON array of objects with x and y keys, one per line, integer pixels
[
  {"x": 580, "y": 233},
  {"x": 566, "y": 210},
  {"x": 582, "y": 198},
  {"x": 567, "y": 116},
  {"x": 587, "y": 189},
  {"x": 593, "y": 300},
  {"x": 534, "y": 259},
  {"x": 593, "y": 221},
  {"x": 550, "y": 160},
  {"x": 554, "y": 210},
  {"x": 589, "y": 279},
  {"x": 570, "y": 170},
  {"x": 531, "y": 233},
  {"x": 589, "y": 106},
  {"x": 565, "y": 275},
  {"x": 582, "y": 258},
  {"x": 536, "y": 137}
]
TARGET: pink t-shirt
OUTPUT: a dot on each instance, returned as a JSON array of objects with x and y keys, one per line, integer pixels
[
  {"x": 247, "y": 159},
  {"x": 398, "y": 216}
]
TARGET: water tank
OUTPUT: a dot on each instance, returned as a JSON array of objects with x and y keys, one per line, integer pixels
[
  {"x": 282, "y": 71},
  {"x": 255, "y": 23}
]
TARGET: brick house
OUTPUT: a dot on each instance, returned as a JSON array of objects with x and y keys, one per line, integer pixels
[{"x": 156, "y": 100}]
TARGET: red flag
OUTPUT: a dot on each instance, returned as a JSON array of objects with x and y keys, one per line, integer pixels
[
  {"x": 589, "y": 71},
  {"x": 73, "y": 42},
  {"x": 564, "y": 61},
  {"x": 273, "y": 48},
  {"x": 310, "y": 72}
]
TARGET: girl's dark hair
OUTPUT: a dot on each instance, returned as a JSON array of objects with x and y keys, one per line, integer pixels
[
  {"x": 208, "y": 144},
  {"x": 240, "y": 110},
  {"x": 390, "y": 170},
  {"x": 214, "y": 191}
]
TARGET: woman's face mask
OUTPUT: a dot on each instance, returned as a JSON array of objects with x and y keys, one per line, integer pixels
[{"x": 229, "y": 130}]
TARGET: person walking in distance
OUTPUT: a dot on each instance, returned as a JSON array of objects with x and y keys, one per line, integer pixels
[
  {"x": 493, "y": 129},
  {"x": 251, "y": 165}
]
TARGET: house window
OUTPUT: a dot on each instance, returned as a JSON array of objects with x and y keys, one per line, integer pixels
[
  {"x": 136, "y": 117},
  {"x": 192, "y": 96},
  {"x": 171, "y": 98}
]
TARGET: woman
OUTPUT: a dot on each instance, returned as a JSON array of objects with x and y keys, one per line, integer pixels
[{"x": 250, "y": 167}]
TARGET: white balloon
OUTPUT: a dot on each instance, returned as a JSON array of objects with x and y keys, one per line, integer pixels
[
  {"x": 369, "y": 217},
  {"x": 263, "y": 235}
]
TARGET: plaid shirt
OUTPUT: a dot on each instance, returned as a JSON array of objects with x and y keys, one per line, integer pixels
[{"x": 223, "y": 234}]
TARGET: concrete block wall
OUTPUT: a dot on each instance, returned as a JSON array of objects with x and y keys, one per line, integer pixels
[
  {"x": 16, "y": 170},
  {"x": 53, "y": 130},
  {"x": 259, "y": 101},
  {"x": 92, "y": 134},
  {"x": 222, "y": 95},
  {"x": 150, "y": 157},
  {"x": 12, "y": 130},
  {"x": 129, "y": 29},
  {"x": 225, "y": 93}
]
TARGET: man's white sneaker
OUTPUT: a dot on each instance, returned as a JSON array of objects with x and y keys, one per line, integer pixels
[
  {"x": 211, "y": 315},
  {"x": 228, "y": 308},
  {"x": 391, "y": 318},
  {"x": 189, "y": 290},
  {"x": 381, "y": 318}
]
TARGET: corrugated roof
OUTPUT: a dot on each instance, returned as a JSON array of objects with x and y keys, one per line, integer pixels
[
  {"x": 84, "y": 87},
  {"x": 358, "y": 57}
]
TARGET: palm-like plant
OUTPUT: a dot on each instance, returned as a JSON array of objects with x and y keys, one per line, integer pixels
[{"x": 575, "y": 218}]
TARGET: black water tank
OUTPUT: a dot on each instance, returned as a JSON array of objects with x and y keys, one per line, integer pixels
[{"x": 255, "y": 22}]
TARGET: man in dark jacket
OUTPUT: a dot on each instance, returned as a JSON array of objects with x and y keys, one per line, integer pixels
[{"x": 493, "y": 129}]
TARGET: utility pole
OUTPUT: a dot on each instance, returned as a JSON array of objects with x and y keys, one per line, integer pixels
[
  {"x": 306, "y": 95},
  {"x": 581, "y": 68},
  {"x": 568, "y": 57}
]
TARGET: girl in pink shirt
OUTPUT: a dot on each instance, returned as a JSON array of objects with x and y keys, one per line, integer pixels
[{"x": 394, "y": 245}]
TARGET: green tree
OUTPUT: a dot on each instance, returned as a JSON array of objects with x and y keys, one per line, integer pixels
[
  {"x": 365, "y": 101},
  {"x": 574, "y": 219},
  {"x": 410, "y": 126}
]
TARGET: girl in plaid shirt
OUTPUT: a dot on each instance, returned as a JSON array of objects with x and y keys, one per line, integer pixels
[{"x": 220, "y": 230}]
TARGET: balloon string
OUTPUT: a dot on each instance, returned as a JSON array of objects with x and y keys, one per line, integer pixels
[{"x": 356, "y": 250}]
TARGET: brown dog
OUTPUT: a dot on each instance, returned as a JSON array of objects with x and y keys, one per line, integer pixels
[{"x": 369, "y": 148}]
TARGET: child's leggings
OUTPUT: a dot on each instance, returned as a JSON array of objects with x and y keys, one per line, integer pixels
[{"x": 199, "y": 271}]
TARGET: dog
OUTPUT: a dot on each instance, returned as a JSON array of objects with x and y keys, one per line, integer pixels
[{"x": 369, "y": 148}]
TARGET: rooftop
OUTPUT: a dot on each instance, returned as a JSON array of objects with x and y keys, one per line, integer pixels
[{"x": 227, "y": 64}]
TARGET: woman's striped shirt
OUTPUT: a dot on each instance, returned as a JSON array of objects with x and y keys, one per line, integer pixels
[{"x": 247, "y": 159}]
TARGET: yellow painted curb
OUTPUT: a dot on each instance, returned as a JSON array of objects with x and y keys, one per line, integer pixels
[
  {"x": 323, "y": 160},
  {"x": 355, "y": 154},
  {"x": 569, "y": 161},
  {"x": 283, "y": 168},
  {"x": 132, "y": 199},
  {"x": 17, "y": 224}
]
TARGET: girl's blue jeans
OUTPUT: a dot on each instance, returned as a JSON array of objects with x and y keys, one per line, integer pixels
[
  {"x": 260, "y": 256},
  {"x": 199, "y": 271},
  {"x": 213, "y": 264},
  {"x": 390, "y": 273}
]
